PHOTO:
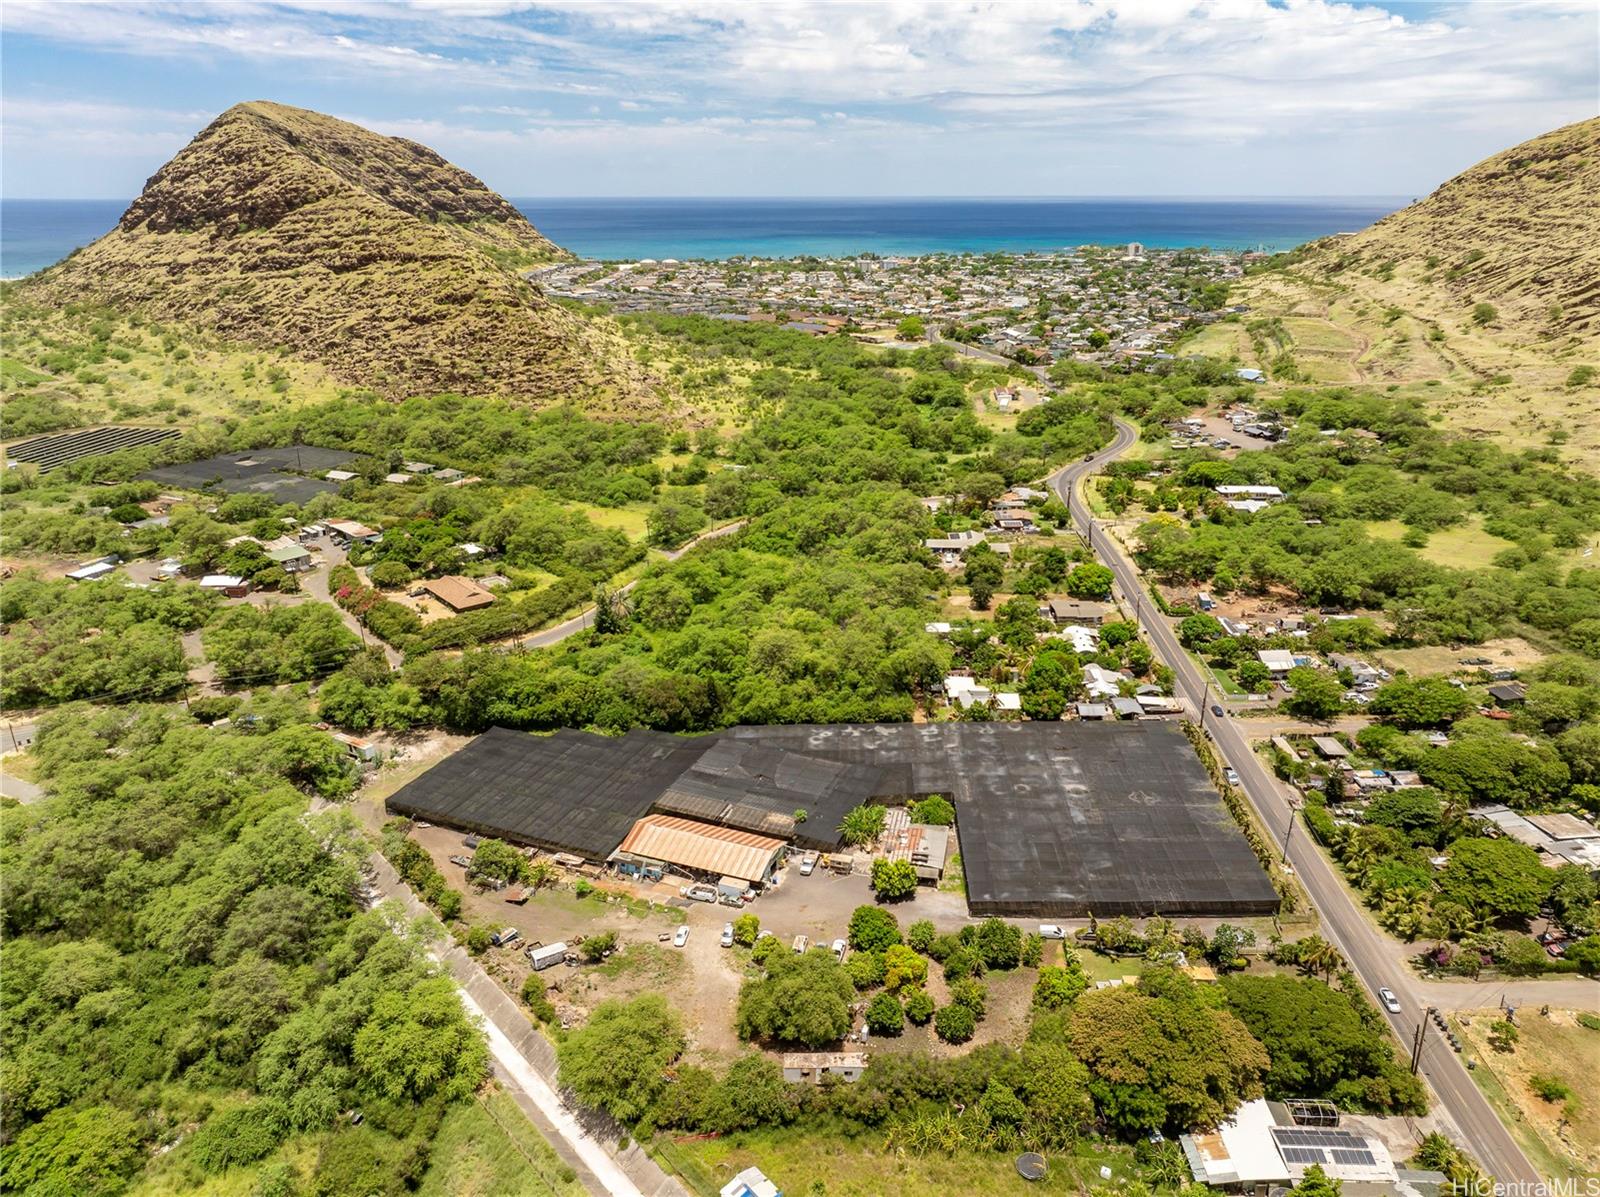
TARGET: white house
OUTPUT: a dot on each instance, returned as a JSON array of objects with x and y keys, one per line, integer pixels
[
  {"x": 1102, "y": 682},
  {"x": 1270, "y": 493}
]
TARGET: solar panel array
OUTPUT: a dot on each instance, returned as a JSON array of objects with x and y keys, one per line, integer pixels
[
  {"x": 1317, "y": 1145},
  {"x": 52, "y": 452}
]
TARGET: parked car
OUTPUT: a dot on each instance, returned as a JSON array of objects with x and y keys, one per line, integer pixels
[
  {"x": 1052, "y": 931},
  {"x": 464, "y": 861},
  {"x": 699, "y": 893},
  {"x": 1390, "y": 1002},
  {"x": 680, "y": 937},
  {"x": 838, "y": 950},
  {"x": 734, "y": 900},
  {"x": 501, "y": 939},
  {"x": 801, "y": 943},
  {"x": 808, "y": 862},
  {"x": 727, "y": 935},
  {"x": 763, "y": 933}
]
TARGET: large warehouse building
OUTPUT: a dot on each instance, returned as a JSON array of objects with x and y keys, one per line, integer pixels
[{"x": 1054, "y": 819}]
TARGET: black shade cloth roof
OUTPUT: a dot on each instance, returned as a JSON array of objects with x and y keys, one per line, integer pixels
[
  {"x": 1063, "y": 819},
  {"x": 1054, "y": 819},
  {"x": 278, "y": 473}
]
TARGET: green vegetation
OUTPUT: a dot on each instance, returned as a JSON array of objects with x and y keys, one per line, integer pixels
[{"x": 183, "y": 947}]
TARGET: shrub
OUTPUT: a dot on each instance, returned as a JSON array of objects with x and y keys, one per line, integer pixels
[
  {"x": 999, "y": 943},
  {"x": 1032, "y": 949},
  {"x": 745, "y": 929},
  {"x": 920, "y": 935},
  {"x": 962, "y": 963},
  {"x": 919, "y": 1006},
  {"x": 873, "y": 929},
  {"x": 390, "y": 575},
  {"x": 885, "y": 1015},
  {"x": 893, "y": 879},
  {"x": 971, "y": 993},
  {"x": 904, "y": 968},
  {"x": 1057, "y": 987},
  {"x": 594, "y": 947},
  {"x": 866, "y": 969},
  {"x": 240, "y": 1136},
  {"x": 209, "y": 710},
  {"x": 1483, "y": 313},
  {"x": 477, "y": 940},
  {"x": 935, "y": 810},
  {"x": 535, "y": 998},
  {"x": 1549, "y": 1088},
  {"x": 955, "y": 1024}
]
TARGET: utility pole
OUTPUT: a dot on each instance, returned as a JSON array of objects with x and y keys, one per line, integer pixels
[
  {"x": 1417, "y": 1037},
  {"x": 1285, "y": 857}
]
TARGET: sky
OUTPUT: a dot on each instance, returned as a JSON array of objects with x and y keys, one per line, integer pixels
[{"x": 804, "y": 98}]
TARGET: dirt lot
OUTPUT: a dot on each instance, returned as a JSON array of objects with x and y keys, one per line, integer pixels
[{"x": 1510, "y": 653}]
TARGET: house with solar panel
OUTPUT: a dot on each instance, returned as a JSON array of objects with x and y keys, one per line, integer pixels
[{"x": 1269, "y": 1145}]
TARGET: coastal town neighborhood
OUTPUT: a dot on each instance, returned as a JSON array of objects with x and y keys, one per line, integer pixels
[{"x": 1094, "y": 303}]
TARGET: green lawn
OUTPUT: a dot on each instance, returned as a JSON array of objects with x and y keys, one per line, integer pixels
[
  {"x": 1466, "y": 546},
  {"x": 487, "y": 1148},
  {"x": 810, "y": 1161}
]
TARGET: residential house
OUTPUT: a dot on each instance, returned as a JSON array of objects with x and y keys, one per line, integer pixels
[
  {"x": 1101, "y": 682},
  {"x": 1278, "y": 661},
  {"x": 1270, "y": 493},
  {"x": 348, "y": 532},
  {"x": 951, "y": 549},
  {"x": 1075, "y": 611},
  {"x": 1366, "y": 676},
  {"x": 458, "y": 593}
]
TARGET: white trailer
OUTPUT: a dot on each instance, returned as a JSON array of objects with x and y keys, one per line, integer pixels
[{"x": 550, "y": 954}]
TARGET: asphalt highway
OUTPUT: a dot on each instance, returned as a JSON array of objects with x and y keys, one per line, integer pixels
[{"x": 1344, "y": 924}]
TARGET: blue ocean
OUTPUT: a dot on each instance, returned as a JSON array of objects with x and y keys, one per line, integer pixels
[{"x": 36, "y": 233}]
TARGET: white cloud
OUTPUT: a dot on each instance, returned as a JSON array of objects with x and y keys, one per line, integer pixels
[{"x": 1295, "y": 92}]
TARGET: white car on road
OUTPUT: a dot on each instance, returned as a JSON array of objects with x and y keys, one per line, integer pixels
[
  {"x": 680, "y": 937},
  {"x": 727, "y": 935},
  {"x": 1390, "y": 1002},
  {"x": 1232, "y": 775},
  {"x": 1052, "y": 931}
]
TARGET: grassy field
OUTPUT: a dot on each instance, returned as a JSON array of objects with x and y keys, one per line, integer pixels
[
  {"x": 812, "y": 1162},
  {"x": 73, "y": 369},
  {"x": 487, "y": 1148},
  {"x": 1561, "y": 1137},
  {"x": 1504, "y": 383}
]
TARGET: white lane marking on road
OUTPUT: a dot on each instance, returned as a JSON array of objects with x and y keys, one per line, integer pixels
[{"x": 597, "y": 1159}]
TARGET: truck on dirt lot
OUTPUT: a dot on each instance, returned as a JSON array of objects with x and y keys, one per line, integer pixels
[{"x": 839, "y": 863}]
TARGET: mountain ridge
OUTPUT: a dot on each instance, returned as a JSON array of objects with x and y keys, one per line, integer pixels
[
  {"x": 373, "y": 255},
  {"x": 1519, "y": 230}
]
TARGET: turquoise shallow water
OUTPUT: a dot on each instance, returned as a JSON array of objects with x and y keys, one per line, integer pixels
[{"x": 35, "y": 233}]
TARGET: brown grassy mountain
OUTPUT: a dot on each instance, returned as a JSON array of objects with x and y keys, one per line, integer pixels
[
  {"x": 372, "y": 255},
  {"x": 1519, "y": 231}
]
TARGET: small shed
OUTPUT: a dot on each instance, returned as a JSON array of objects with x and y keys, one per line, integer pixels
[
  {"x": 810, "y": 1067},
  {"x": 1329, "y": 747}
]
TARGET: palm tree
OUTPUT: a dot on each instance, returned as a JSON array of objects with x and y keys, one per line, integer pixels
[{"x": 1317, "y": 955}]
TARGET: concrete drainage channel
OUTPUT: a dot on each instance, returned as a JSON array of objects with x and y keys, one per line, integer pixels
[{"x": 525, "y": 1063}]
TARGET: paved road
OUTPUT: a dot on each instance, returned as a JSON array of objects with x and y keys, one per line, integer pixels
[
  {"x": 1343, "y": 922},
  {"x": 585, "y": 618},
  {"x": 17, "y": 736}
]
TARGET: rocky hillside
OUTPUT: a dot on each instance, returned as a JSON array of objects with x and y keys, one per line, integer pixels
[
  {"x": 372, "y": 255},
  {"x": 1519, "y": 231}
]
